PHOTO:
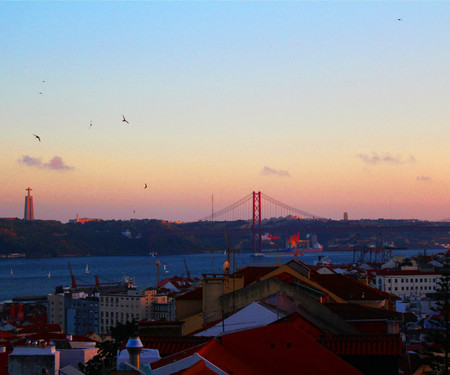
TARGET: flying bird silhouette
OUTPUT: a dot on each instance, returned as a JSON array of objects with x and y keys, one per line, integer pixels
[
  {"x": 399, "y": 19},
  {"x": 39, "y": 138},
  {"x": 145, "y": 187},
  {"x": 124, "y": 119},
  {"x": 90, "y": 124},
  {"x": 40, "y": 93}
]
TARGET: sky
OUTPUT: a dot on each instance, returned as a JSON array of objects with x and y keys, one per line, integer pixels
[{"x": 325, "y": 106}]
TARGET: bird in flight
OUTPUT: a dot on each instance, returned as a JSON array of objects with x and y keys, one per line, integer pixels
[
  {"x": 145, "y": 187},
  {"x": 40, "y": 92},
  {"x": 39, "y": 138},
  {"x": 399, "y": 19},
  {"x": 90, "y": 124},
  {"x": 124, "y": 119}
]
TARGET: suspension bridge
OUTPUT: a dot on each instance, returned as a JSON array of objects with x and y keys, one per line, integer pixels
[
  {"x": 258, "y": 216},
  {"x": 258, "y": 207}
]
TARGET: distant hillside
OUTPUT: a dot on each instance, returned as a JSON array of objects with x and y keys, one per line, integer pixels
[{"x": 41, "y": 238}]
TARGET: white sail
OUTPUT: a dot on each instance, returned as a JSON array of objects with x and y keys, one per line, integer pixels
[
  {"x": 87, "y": 269},
  {"x": 49, "y": 276}
]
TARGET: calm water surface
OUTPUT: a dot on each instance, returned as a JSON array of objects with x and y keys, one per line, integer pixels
[{"x": 30, "y": 276}]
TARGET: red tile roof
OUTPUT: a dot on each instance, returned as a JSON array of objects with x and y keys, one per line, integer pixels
[
  {"x": 252, "y": 274},
  {"x": 349, "y": 289},
  {"x": 300, "y": 323},
  {"x": 4, "y": 363},
  {"x": 353, "y": 311},
  {"x": 290, "y": 279},
  {"x": 48, "y": 336},
  {"x": 39, "y": 327},
  {"x": 195, "y": 294},
  {"x": 168, "y": 345},
  {"x": 364, "y": 345},
  {"x": 6, "y": 335},
  {"x": 272, "y": 349}
]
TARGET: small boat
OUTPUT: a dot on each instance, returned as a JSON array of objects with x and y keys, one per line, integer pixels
[
  {"x": 12, "y": 273},
  {"x": 87, "y": 269},
  {"x": 49, "y": 276}
]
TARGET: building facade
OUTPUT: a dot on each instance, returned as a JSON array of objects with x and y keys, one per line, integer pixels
[
  {"x": 407, "y": 283},
  {"x": 124, "y": 307},
  {"x": 82, "y": 315}
]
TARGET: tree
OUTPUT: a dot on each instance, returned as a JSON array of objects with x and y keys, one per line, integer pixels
[
  {"x": 106, "y": 358},
  {"x": 437, "y": 348}
]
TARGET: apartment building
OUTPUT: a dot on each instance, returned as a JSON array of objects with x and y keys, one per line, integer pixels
[
  {"x": 124, "y": 307},
  {"x": 405, "y": 283}
]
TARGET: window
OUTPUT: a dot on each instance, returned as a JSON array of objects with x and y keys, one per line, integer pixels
[{"x": 395, "y": 280}]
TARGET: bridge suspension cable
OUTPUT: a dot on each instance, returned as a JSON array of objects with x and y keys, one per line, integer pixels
[
  {"x": 243, "y": 209},
  {"x": 292, "y": 210},
  {"x": 227, "y": 209}
]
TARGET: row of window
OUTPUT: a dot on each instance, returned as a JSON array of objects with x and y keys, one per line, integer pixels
[
  {"x": 422, "y": 280},
  {"x": 412, "y": 288}
]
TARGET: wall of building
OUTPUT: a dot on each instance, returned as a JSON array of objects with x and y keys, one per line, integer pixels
[
  {"x": 407, "y": 285},
  {"x": 31, "y": 361}
]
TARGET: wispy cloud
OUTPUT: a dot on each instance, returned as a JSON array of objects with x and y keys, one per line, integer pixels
[
  {"x": 387, "y": 158},
  {"x": 267, "y": 171},
  {"x": 56, "y": 163},
  {"x": 424, "y": 179},
  {"x": 30, "y": 161}
]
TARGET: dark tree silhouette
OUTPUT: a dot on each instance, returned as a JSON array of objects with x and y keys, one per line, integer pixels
[
  {"x": 106, "y": 358},
  {"x": 436, "y": 349}
]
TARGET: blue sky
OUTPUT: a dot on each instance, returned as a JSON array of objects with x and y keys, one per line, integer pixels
[{"x": 350, "y": 101}]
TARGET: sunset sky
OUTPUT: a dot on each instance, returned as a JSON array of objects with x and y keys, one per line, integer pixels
[{"x": 325, "y": 106}]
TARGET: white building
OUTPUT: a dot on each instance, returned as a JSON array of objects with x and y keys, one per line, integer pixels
[
  {"x": 407, "y": 283},
  {"x": 124, "y": 307}
]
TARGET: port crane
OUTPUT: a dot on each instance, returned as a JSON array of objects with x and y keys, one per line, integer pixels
[
  {"x": 75, "y": 285},
  {"x": 158, "y": 265}
]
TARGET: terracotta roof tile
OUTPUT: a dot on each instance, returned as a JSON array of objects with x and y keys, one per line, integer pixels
[
  {"x": 272, "y": 349},
  {"x": 252, "y": 274},
  {"x": 353, "y": 311},
  {"x": 168, "y": 345},
  {"x": 363, "y": 345},
  {"x": 349, "y": 289},
  {"x": 195, "y": 294}
]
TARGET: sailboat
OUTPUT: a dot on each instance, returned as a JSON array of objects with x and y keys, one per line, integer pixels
[
  {"x": 49, "y": 276},
  {"x": 87, "y": 269},
  {"x": 12, "y": 273}
]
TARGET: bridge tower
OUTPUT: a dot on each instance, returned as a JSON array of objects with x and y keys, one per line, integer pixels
[{"x": 257, "y": 224}]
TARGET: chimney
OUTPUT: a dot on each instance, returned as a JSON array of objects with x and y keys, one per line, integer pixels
[{"x": 134, "y": 347}]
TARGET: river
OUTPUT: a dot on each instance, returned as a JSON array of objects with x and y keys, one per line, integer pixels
[{"x": 40, "y": 276}]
